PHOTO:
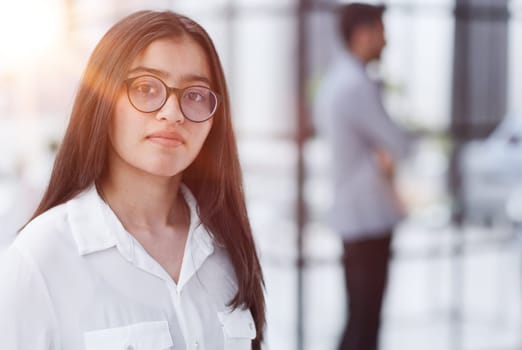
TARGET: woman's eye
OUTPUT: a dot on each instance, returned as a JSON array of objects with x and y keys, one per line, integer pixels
[
  {"x": 195, "y": 96},
  {"x": 145, "y": 89}
]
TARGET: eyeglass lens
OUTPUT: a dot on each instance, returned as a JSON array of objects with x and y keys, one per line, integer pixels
[{"x": 149, "y": 94}]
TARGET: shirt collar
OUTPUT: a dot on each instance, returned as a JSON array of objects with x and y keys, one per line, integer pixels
[
  {"x": 95, "y": 227},
  {"x": 86, "y": 219},
  {"x": 197, "y": 231}
]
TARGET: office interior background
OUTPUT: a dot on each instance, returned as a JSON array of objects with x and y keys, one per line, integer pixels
[{"x": 451, "y": 72}]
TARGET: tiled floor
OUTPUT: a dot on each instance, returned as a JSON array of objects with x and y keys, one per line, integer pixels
[{"x": 439, "y": 297}]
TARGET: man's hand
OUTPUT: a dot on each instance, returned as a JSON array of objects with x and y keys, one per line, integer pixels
[{"x": 385, "y": 162}]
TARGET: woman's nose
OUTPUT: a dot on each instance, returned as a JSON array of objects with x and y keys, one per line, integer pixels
[{"x": 171, "y": 110}]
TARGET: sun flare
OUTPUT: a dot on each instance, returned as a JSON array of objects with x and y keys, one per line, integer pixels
[{"x": 27, "y": 29}]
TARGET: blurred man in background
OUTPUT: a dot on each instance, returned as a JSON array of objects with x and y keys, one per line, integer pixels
[{"x": 365, "y": 145}]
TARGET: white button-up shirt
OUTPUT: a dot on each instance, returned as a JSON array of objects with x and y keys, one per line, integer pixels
[
  {"x": 74, "y": 279},
  {"x": 350, "y": 114}
]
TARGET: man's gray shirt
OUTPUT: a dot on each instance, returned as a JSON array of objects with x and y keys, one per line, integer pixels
[{"x": 350, "y": 114}]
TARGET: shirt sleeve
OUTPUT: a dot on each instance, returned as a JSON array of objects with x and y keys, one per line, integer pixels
[
  {"x": 27, "y": 320},
  {"x": 371, "y": 121}
]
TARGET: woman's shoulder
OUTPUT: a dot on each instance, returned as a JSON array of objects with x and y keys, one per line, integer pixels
[
  {"x": 53, "y": 229},
  {"x": 47, "y": 221},
  {"x": 43, "y": 237}
]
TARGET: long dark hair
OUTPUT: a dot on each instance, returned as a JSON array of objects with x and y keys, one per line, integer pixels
[{"x": 214, "y": 177}]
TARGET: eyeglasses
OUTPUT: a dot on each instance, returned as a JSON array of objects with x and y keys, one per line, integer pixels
[{"x": 149, "y": 94}]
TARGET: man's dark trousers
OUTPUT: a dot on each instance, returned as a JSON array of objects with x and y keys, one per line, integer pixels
[{"x": 366, "y": 273}]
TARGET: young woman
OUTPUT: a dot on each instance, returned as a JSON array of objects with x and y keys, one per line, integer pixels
[{"x": 142, "y": 239}]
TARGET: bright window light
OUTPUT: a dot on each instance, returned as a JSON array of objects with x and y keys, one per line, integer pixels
[{"x": 28, "y": 28}]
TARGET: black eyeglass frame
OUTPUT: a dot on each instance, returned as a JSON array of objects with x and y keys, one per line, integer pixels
[{"x": 172, "y": 90}]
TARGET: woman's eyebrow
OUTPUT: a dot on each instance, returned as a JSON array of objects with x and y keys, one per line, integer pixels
[
  {"x": 158, "y": 72},
  {"x": 195, "y": 77},
  {"x": 165, "y": 75}
]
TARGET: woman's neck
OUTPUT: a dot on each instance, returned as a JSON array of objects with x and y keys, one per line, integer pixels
[{"x": 144, "y": 202}]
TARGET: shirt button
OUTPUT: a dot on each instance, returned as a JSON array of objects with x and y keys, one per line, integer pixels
[
  {"x": 129, "y": 347},
  {"x": 196, "y": 345},
  {"x": 251, "y": 325}
]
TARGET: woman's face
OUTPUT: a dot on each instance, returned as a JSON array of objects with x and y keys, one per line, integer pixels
[{"x": 163, "y": 142}]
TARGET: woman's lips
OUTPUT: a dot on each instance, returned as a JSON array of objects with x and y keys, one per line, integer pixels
[{"x": 166, "y": 138}]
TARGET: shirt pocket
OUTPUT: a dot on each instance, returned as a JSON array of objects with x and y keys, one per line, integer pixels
[
  {"x": 139, "y": 336},
  {"x": 238, "y": 329}
]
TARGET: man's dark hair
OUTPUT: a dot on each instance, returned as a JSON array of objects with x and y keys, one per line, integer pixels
[{"x": 354, "y": 15}]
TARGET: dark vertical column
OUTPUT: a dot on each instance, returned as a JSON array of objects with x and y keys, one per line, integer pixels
[
  {"x": 479, "y": 96},
  {"x": 478, "y": 104},
  {"x": 301, "y": 132},
  {"x": 316, "y": 40}
]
